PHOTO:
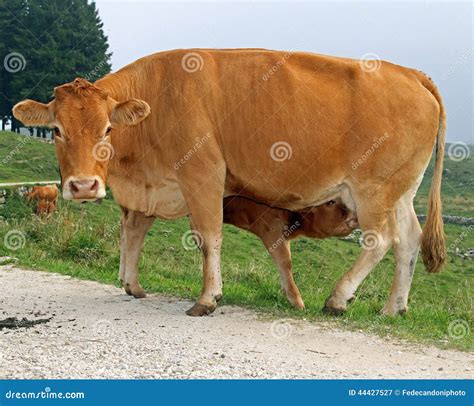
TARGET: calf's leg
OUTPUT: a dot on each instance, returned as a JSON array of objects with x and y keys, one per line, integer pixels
[{"x": 280, "y": 252}]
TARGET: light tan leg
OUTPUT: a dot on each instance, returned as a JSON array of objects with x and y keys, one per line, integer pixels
[
  {"x": 134, "y": 228},
  {"x": 379, "y": 236},
  {"x": 123, "y": 248},
  {"x": 406, "y": 253},
  {"x": 206, "y": 220},
  {"x": 280, "y": 251}
]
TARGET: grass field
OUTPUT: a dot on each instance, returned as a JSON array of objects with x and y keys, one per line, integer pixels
[{"x": 82, "y": 241}]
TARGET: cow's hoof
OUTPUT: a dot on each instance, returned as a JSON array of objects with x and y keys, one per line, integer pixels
[
  {"x": 297, "y": 303},
  {"x": 393, "y": 311},
  {"x": 334, "y": 307},
  {"x": 199, "y": 310},
  {"x": 137, "y": 292}
]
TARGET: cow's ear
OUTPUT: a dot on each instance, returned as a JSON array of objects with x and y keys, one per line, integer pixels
[
  {"x": 129, "y": 112},
  {"x": 32, "y": 113}
]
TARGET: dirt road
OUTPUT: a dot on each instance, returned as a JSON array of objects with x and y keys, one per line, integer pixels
[{"x": 96, "y": 331}]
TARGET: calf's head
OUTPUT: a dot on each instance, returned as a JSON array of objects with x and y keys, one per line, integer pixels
[
  {"x": 333, "y": 218},
  {"x": 83, "y": 118}
]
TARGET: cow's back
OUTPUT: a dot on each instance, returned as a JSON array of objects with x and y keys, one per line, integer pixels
[{"x": 290, "y": 127}]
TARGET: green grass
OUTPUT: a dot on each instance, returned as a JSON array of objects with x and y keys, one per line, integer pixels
[
  {"x": 82, "y": 241},
  {"x": 24, "y": 159}
]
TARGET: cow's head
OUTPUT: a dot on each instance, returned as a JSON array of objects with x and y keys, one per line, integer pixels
[{"x": 82, "y": 117}]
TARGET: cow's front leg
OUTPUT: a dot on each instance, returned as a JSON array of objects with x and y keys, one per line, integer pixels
[
  {"x": 123, "y": 249},
  {"x": 134, "y": 227},
  {"x": 206, "y": 215},
  {"x": 209, "y": 239}
]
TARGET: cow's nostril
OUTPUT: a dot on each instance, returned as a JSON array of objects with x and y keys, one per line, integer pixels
[
  {"x": 73, "y": 187},
  {"x": 95, "y": 185}
]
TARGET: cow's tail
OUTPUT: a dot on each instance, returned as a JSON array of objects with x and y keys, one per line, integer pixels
[{"x": 433, "y": 245}]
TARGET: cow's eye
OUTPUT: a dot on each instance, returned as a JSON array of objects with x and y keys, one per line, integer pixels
[
  {"x": 109, "y": 129},
  {"x": 331, "y": 202},
  {"x": 56, "y": 132}
]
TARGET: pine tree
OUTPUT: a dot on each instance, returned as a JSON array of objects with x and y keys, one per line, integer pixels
[{"x": 54, "y": 41}]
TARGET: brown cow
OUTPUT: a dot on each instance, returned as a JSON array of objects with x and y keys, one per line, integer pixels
[
  {"x": 46, "y": 199},
  {"x": 288, "y": 130},
  {"x": 276, "y": 227}
]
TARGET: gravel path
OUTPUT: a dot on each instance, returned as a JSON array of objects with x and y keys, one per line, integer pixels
[{"x": 96, "y": 331}]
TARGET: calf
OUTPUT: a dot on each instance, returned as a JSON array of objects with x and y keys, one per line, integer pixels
[
  {"x": 276, "y": 227},
  {"x": 46, "y": 199}
]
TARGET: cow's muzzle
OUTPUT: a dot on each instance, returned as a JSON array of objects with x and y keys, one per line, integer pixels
[{"x": 84, "y": 189}]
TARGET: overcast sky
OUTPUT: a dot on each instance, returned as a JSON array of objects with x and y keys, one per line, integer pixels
[{"x": 435, "y": 37}]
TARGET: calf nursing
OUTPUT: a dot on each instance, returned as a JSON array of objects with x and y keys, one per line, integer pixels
[{"x": 276, "y": 227}]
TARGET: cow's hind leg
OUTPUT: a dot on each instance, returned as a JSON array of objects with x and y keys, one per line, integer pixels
[
  {"x": 406, "y": 253},
  {"x": 134, "y": 227},
  {"x": 379, "y": 231}
]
